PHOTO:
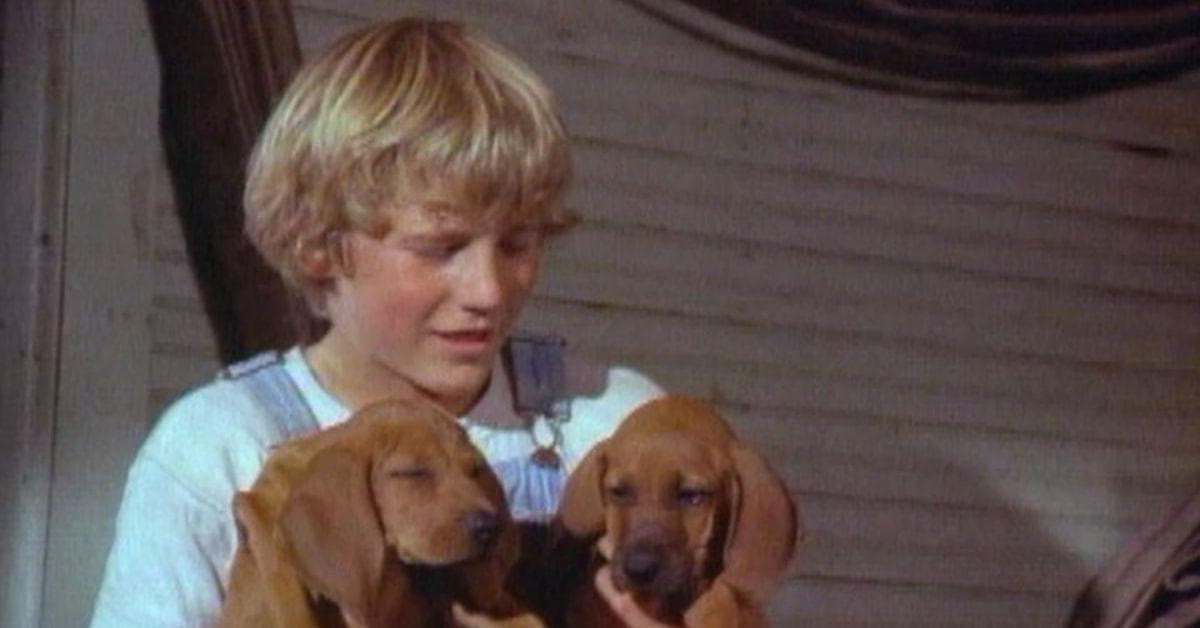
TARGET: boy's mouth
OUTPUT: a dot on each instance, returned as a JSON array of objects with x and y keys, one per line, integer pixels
[{"x": 470, "y": 337}]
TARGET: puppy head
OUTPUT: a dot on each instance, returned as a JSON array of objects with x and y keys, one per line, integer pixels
[
  {"x": 676, "y": 501},
  {"x": 438, "y": 501},
  {"x": 666, "y": 502},
  {"x": 403, "y": 477},
  {"x": 658, "y": 495}
]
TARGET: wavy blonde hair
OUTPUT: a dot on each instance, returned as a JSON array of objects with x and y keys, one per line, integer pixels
[{"x": 389, "y": 110}]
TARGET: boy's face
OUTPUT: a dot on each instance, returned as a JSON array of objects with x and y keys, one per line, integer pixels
[{"x": 430, "y": 302}]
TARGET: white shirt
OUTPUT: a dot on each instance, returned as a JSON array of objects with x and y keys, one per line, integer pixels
[{"x": 175, "y": 532}]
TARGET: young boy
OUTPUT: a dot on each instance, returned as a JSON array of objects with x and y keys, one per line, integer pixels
[{"x": 406, "y": 185}]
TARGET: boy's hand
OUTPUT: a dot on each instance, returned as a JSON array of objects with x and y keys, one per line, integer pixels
[
  {"x": 466, "y": 619},
  {"x": 622, "y": 604}
]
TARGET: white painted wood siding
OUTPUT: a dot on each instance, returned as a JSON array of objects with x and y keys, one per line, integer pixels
[{"x": 967, "y": 334}]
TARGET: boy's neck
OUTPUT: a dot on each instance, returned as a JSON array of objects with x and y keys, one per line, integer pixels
[{"x": 356, "y": 385}]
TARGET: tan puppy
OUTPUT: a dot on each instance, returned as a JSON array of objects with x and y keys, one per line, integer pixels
[
  {"x": 390, "y": 519},
  {"x": 694, "y": 524}
]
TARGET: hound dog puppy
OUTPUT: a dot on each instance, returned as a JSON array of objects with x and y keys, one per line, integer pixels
[
  {"x": 390, "y": 519},
  {"x": 692, "y": 523}
]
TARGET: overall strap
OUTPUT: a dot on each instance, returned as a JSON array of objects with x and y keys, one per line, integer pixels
[
  {"x": 269, "y": 383},
  {"x": 538, "y": 375},
  {"x": 538, "y": 372}
]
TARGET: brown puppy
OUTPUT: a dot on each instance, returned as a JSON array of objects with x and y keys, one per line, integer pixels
[
  {"x": 392, "y": 518},
  {"x": 694, "y": 524}
]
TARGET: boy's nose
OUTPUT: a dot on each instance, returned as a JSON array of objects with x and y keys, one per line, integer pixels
[{"x": 481, "y": 285}]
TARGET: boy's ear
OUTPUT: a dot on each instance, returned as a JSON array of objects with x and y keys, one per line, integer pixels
[{"x": 316, "y": 257}]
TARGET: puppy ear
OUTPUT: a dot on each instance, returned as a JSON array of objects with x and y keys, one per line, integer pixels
[
  {"x": 253, "y": 529},
  {"x": 765, "y": 529},
  {"x": 286, "y": 597},
  {"x": 582, "y": 507},
  {"x": 329, "y": 519}
]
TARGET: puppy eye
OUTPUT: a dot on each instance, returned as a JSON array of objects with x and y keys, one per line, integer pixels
[
  {"x": 620, "y": 493},
  {"x": 477, "y": 469},
  {"x": 410, "y": 473},
  {"x": 693, "y": 496}
]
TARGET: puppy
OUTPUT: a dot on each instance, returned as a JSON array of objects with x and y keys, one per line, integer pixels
[
  {"x": 693, "y": 524},
  {"x": 390, "y": 519}
]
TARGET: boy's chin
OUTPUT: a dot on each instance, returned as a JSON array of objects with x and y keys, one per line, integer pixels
[{"x": 461, "y": 386}]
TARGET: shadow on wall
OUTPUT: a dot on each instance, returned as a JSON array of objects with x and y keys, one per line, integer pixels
[{"x": 902, "y": 533}]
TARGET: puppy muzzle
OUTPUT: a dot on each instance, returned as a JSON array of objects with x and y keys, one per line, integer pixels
[
  {"x": 651, "y": 568},
  {"x": 483, "y": 528}
]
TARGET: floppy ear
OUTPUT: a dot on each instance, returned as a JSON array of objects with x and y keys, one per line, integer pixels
[
  {"x": 253, "y": 529},
  {"x": 765, "y": 528},
  {"x": 329, "y": 519},
  {"x": 286, "y": 598},
  {"x": 582, "y": 507}
]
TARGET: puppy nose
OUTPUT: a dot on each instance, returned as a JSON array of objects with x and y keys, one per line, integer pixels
[
  {"x": 642, "y": 565},
  {"x": 483, "y": 527}
]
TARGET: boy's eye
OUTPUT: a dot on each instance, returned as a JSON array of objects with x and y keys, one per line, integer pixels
[
  {"x": 436, "y": 249},
  {"x": 521, "y": 240}
]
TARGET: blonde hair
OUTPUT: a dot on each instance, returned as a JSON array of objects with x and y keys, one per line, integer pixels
[{"x": 389, "y": 110}]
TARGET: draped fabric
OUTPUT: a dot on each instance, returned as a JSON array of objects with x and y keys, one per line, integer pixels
[
  {"x": 223, "y": 63},
  {"x": 1154, "y": 581},
  {"x": 972, "y": 49}
]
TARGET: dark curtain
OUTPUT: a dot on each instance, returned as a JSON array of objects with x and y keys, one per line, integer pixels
[
  {"x": 976, "y": 49},
  {"x": 223, "y": 63}
]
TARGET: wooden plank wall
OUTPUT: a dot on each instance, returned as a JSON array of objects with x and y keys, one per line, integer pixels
[
  {"x": 32, "y": 150},
  {"x": 966, "y": 333},
  {"x": 108, "y": 167}
]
